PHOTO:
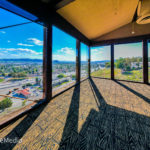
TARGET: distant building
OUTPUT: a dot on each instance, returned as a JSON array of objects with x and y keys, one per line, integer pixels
[
  {"x": 136, "y": 65},
  {"x": 25, "y": 93}
]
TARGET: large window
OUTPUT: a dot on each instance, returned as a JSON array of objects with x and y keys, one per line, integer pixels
[
  {"x": 21, "y": 58},
  {"x": 84, "y": 61},
  {"x": 100, "y": 62},
  {"x": 128, "y": 62},
  {"x": 64, "y": 60}
]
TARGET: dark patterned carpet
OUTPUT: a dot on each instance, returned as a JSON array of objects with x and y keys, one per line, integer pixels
[{"x": 99, "y": 114}]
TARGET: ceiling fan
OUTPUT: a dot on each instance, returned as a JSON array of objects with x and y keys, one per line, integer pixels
[{"x": 142, "y": 13}]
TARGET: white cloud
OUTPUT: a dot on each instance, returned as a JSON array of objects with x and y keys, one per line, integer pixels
[
  {"x": 97, "y": 50},
  {"x": 63, "y": 58},
  {"x": 3, "y": 32},
  {"x": 36, "y": 41},
  {"x": 22, "y": 50},
  {"x": 84, "y": 58},
  {"x": 14, "y": 55},
  {"x": 94, "y": 50},
  {"x": 40, "y": 53},
  {"x": 67, "y": 50},
  {"x": 21, "y": 44},
  {"x": 97, "y": 54}
]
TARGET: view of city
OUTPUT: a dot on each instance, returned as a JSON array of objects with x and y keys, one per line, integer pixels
[
  {"x": 100, "y": 62},
  {"x": 64, "y": 59},
  {"x": 21, "y": 62},
  {"x": 128, "y": 62},
  {"x": 84, "y": 61},
  {"x": 20, "y": 82}
]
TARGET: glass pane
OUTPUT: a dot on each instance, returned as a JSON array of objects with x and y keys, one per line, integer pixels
[
  {"x": 64, "y": 60},
  {"x": 129, "y": 62},
  {"x": 12, "y": 19},
  {"x": 21, "y": 71},
  {"x": 84, "y": 61},
  {"x": 100, "y": 62}
]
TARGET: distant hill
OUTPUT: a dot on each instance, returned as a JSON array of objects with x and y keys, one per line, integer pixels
[
  {"x": 63, "y": 62},
  {"x": 40, "y": 60},
  {"x": 21, "y": 60},
  {"x": 34, "y": 60},
  {"x": 103, "y": 61}
]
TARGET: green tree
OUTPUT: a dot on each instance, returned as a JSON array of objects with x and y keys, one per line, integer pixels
[
  {"x": 3, "y": 74},
  {"x": 24, "y": 86},
  {"x": 24, "y": 102},
  {"x": 5, "y": 103},
  {"x": 107, "y": 64},
  {"x": 28, "y": 84},
  {"x": 73, "y": 76},
  {"x": 60, "y": 76},
  {"x": 124, "y": 64},
  {"x": 38, "y": 81},
  {"x": 120, "y": 63}
]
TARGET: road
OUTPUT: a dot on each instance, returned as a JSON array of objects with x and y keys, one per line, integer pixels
[{"x": 15, "y": 83}]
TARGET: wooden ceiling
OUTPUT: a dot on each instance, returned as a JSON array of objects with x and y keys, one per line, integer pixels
[{"x": 94, "y": 18}]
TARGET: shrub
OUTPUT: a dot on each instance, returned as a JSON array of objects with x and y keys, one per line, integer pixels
[
  {"x": 73, "y": 76},
  {"x": 5, "y": 103},
  {"x": 1, "y": 79},
  {"x": 61, "y": 76},
  {"x": 28, "y": 84},
  {"x": 24, "y": 102}
]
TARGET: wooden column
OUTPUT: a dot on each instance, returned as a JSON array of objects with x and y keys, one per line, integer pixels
[
  {"x": 145, "y": 61},
  {"x": 47, "y": 62},
  {"x": 112, "y": 61},
  {"x": 78, "y": 58},
  {"x": 89, "y": 62}
]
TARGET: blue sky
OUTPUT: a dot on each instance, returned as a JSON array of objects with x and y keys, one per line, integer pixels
[
  {"x": 64, "y": 47},
  {"x": 100, "y": 53},
  {"x": 26, "y": 41},
  {"x": 121, "y": 50}
]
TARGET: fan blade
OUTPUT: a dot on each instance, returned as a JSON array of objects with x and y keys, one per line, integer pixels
[{"x": 135, "y": 14}]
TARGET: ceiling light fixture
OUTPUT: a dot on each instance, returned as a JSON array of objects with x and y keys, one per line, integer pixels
[{"x": 133, "y": 30}]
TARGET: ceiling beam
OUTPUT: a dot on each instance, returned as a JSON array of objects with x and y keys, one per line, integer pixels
[
  {"x": 120, "y": 40},
  {"x": 63, "y": 3}
]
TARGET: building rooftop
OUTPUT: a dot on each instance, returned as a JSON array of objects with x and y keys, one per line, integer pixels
[{"x": 24, "y": 92}]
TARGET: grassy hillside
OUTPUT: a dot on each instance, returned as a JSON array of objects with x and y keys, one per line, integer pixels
[{"x": 135, "y": 75}]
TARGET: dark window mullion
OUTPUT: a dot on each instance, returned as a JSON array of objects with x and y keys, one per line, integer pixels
[{"x": 145, "y": 61}]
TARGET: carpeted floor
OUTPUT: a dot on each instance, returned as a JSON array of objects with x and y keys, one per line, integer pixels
[{"x": 98, "y": 114}]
